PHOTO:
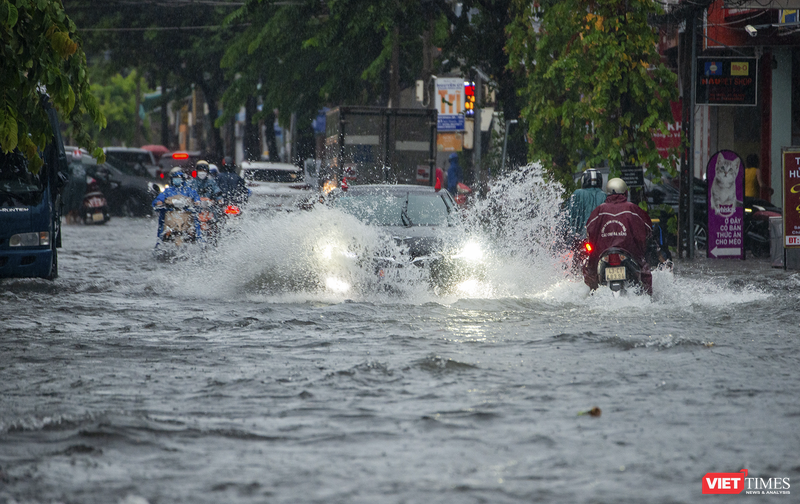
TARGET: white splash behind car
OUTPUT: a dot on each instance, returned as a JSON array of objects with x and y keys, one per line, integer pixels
[{"x": 275, "y": 186}]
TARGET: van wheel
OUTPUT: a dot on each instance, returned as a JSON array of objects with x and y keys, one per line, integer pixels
[{"x": 53, "y": 274}]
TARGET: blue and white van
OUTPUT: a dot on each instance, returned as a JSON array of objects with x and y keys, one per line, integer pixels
[{"x": 30, "y": 209}]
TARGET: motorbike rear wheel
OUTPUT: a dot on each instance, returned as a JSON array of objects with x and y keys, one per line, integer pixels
[{"x": 700, "y": 237}]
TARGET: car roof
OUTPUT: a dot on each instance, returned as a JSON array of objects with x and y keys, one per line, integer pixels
[
  {"x": 125, "y": 149},
  {"x": 268, "y": 165},
  {"x": 390, "y": 188}
]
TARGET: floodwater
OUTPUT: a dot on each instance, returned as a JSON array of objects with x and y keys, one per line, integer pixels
[{"x": 238, "y": 378}]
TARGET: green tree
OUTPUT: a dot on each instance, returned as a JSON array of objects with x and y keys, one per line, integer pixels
[
  {"x": 478, "y": 39},
  {"x": 298, "y": 56},
  {"x": 174, "y": 44},
  {"x": 117, "y": 100},
  {"x": 41, "y": 52},
  {"x": 595, "y": 85}
]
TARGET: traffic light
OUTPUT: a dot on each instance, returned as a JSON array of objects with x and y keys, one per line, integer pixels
[{"x": 469, "y": 100}]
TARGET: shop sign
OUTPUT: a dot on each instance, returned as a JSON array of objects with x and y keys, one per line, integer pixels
[
  {"x": 450, "y": 104},
  {"x": 725, "y": 174},
  {"x": 726, "y": 81},
  {"x": 791, "y": 197},
  {"x": 449, "y": 142}
]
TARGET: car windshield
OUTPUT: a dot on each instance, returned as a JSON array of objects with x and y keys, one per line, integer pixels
[
  {"x": 396, "y": 209},
  {"x": 272, "y": 175},
  {"x": 124, "y": 168},
  {"x": 131, "y": 156},
  {"x": 18, "y": 186}
]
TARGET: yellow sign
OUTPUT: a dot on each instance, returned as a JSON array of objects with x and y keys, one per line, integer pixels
[
  {"x": 449, "y": 142},
  {"x": 740, "y": 68}
]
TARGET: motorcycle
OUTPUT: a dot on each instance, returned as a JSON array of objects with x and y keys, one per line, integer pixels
[
  {"x": 214, "y": 217},
  {"x": 616, "y": 268},
  {"x": 209, "y": 223},
  {"x": 757, "y": 213},
  {"x": 94, "y": 208},
  {"x": 179, "y": 226}
]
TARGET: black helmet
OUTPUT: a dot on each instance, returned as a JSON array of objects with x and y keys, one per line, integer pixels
[{"x": 592, "y": 178}]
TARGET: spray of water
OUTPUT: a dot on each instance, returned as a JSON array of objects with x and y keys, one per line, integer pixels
[{"x": 326, "y": 255}]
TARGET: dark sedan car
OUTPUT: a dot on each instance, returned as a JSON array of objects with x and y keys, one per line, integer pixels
[
  {"x": 127, "y": 193},
  {"x": 425, "y": 229}
]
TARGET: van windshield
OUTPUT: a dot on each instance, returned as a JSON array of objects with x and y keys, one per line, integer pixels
[
  {"x": 267, "y": 175},
  {"x": 18, "y": 186}
]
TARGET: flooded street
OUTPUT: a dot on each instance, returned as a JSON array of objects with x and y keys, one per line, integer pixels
[{"x": 132, "y": 381}]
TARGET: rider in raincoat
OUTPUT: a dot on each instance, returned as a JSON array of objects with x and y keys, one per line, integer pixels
[{"x": 178, "y": 186}]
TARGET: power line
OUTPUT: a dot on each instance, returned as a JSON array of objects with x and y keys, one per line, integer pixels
[{"x": 161, "y": 28}]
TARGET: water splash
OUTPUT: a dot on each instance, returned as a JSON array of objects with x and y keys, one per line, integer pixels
[{"x": 318, "y": 255}]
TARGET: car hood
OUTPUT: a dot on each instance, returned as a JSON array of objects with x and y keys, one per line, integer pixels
[{"x": 423, "y": 240}]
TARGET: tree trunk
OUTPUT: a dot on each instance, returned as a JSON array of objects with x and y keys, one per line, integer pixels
[
  {"x": 215, "y": 142},
  {"x": 252, "y": 149},
  {"x": 164, "y": 111},
  {"x": 394, "y": 74}
]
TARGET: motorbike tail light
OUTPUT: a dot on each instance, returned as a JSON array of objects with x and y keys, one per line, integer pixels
[
  {"x": 232, "y": 210},
  {"x": 587, "y": 247},
  {"x": 194, "y": 173},
  {"x": 161, "y": 175},
  {"x": 614, "y": 260}
]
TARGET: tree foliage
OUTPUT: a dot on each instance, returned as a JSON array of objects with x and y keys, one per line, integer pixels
[
  {"x": 179, "y": 44},
  {"x": 41, "y": 53},
  {"x": 596, "y": 88},
  {"x": 117, "y": 101},
  {"x": 478, "y": 39},
  {"x": 298, "y": 56}
]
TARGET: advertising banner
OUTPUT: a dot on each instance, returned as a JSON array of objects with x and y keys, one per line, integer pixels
[
  {"x": 791, "y": 197},
  {"x": 450, "y": 104},
  {"x": 725, "y": 174},
  {"x": 672, "y": 139}
]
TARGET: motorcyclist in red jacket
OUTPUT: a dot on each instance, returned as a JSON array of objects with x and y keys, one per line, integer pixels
[{"x": 618, "y": 223}]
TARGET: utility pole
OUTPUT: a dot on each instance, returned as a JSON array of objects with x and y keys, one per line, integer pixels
[{"x": 476, "y": 146}]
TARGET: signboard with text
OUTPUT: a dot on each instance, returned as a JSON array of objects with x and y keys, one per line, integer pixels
[
  {"x": 633, "y": 176},
  {"x": 791, "y": 197},
  {"x": 725, "y": 174},
  {"x": 726, "y": 81},
  {"x": 450, "y": 104}
]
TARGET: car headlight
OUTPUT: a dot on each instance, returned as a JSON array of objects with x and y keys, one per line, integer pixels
[
  {"x": 471, "y": 252},
  {"x": 337, "y": 285},
  {"x": 330, "y": 251},
  {"x": 29, "y": 239}
]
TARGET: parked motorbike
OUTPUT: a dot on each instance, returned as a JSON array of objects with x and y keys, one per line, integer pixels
[
  {"x": 94, "y": 208},
  {"x": 756, "y": 225}
]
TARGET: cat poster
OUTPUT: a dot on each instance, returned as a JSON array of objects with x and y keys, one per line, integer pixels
[{"x": 725, "y": 175}]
